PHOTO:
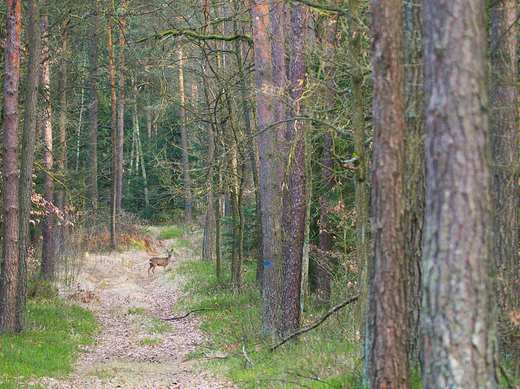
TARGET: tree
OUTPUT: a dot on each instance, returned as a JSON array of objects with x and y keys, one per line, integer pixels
[
  {"x": 27, "y": 155},
  {"x": 92, "y": 141},
  {"x": 269, "y": 167},
  {"x": 120, "y": 114},
  {"x": 414, "y": 214},
  {"x": 388, "y": 327},
  {"x": 294, "y": 206},
  {"x": 504, "y": 122},
  {"x": 48, "y": 241},
  {"x": 10, "y": 252},
  {"x": 459, "y": 308}
]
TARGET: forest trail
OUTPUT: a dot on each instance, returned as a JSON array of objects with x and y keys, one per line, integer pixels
[{"x": 136, "y": 348}]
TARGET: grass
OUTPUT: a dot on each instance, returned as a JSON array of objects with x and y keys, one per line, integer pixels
[
  {"x": 171, "y": 232},
  {"x": 326, "y": 357},
  {"x": 55, "y": 332}
]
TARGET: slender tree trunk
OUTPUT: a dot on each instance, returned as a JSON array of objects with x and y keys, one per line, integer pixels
[
  {"x": 113, "y": 122},
  {"x": 9, "y": 272},
  {"x": 92, "y": 140},
  {"x": 48, "y": 246},
  {"x": 323, "y": 276},
  {"x": 184, "y": 142},
  {"x": 459, "y": 307},
  {"x": 415, "y": 168},
  {"x": 295, "y": 198},
  {"x": 27, "y": 156},
  {"x": 388, "y": 326},
  {"x": 80, "y": 119},
  {"x": 120, "y": 115},
  {"x": 61, "y": 198},
  {"x": 504, "y": 121}
]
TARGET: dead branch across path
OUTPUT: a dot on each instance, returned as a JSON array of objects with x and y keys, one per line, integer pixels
[
  {"x": 186, "y": 315},
  {"x": 316, "y": 323}
]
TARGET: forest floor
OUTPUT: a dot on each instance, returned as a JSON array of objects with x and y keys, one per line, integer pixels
[{"x": 136, "y": 347}]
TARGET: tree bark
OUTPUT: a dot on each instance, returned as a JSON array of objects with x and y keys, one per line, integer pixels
[
  {"x": 459, "y": 307},
  {"x": 295, "y": 198},
  {"x": 414, "y": 215},
  {"x": 27, "y": 156},
  {"x": 388, "y": 327},
  {"x": 504, "y": 122},
  {"x": 9, "y": 272},
  {"x": 269, "y": 167}
]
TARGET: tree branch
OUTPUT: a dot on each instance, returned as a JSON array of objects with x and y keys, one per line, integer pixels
[
  {"x": 324, "y": 7},
  {"x": 186, "y": 315},
  {"x": 316, "y": 323},
  {"x": 191, "y": 34}
]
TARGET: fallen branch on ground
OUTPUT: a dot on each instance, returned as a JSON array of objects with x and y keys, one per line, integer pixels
[
  {"x": 186, "y": 315},
  {"x": 246, "y": 357},
  {"x": 316, "y": 323}
]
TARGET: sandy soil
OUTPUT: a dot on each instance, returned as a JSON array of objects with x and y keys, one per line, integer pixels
[{"x": 137, "y": 348}]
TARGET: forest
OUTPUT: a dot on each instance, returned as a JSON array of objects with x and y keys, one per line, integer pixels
[{"x": 350, "y": 165}]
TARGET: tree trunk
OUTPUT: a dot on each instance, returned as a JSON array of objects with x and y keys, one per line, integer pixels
[
  {"x": 184, "y": 142},
  {"x": 120, "y": 115},
  {"x": 269, "y": 166},
  {"x": 295, "y": 198},
  {"x": 92, "y": 140},
  {"x": 414, "y": 215},
  {"x": 388, "y": 327},
  {"x": 323, "y": 276},
  {"x": 113, "y": 122},
  {"x": 9, "y": 271},
  {"x": 459, "y": 308},
  {"x": 48, "y": 247},
  {"x": 27, "y": 156},
  {"x": 504, "y": 122}
]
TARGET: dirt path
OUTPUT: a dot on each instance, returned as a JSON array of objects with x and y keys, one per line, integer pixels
[{"x": 136, "y": 348}]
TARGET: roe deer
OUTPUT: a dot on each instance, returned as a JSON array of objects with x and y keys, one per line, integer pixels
[{"x": 159, "y": 261}]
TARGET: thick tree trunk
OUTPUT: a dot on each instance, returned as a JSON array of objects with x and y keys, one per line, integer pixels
[
  {"x": 48, "y": 246},
  {"x": 458, "y": 308},
  {"x": 27, "y": 156},
  {"x": 269, "y": 167},
  {"x": 9, "y": 271},
  {"x": 504, "y": 121},
  {"x": 388, "y": 327},
  {"x": 295, "y": 198}
]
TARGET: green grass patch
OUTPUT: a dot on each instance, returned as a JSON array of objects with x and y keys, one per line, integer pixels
[
  {"x": 151, "y": 342},
  {"x": 171, "y": 232},
  {"x": 54, "y": 333},
  {"x": 327, "y": 357}
]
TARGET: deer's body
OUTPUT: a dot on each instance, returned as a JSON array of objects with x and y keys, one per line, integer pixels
[{"x": 159, "y": 261}]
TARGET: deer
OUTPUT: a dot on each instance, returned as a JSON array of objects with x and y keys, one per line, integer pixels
[{"x": 159, "y": 261}]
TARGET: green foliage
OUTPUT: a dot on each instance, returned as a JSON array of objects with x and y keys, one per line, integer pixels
[
  {"x": 326, "y": 357},
  {"x": 55, "y": 332},
  {"x": 171, "y": 232}
]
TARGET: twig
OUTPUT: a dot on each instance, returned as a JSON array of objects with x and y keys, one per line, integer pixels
[
  {"x": 186, "y": 315},
  {"x": 316, "y": 323},
  {"x": 246, "y": 357}
]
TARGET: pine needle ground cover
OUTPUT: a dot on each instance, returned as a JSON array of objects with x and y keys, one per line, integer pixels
[{"x": 55, "y": 332}]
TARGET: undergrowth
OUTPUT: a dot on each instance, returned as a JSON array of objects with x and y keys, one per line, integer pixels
[
  {"x": 326, "y": 357},
  {"x": 55, "y": 332}
]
